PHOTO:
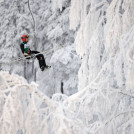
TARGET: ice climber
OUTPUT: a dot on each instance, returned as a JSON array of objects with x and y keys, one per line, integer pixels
[{"x": 27, "y": 52}]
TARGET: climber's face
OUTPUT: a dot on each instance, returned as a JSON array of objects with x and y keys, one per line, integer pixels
[{"x": 27, "y": 39}]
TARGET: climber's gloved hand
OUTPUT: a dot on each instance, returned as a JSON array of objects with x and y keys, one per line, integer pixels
[{"x": 26, "y": 54}]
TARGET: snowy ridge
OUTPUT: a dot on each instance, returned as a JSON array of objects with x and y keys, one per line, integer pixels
[{"x": 25, "y": 110}]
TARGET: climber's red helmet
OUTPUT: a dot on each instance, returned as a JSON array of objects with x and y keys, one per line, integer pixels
[{"x": 25, "y": 38}]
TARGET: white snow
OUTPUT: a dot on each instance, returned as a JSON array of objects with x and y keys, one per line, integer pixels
[
  {"x": 57, "y": 4},
  {"x": 24, "y": 109},
  {"x": 104, "y": 41},
  {"x": 104, "y": 36},
  {"x": 52, "y": 32}
]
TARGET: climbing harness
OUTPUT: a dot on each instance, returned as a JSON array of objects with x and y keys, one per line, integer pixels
[{"x": 33, "y": 55}]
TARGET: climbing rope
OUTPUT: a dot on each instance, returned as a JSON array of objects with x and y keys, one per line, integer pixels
[
  {"x": 34, "y": 24},
  {"x": 33, "y": 69},
  {"x": 33, "y": 55}
]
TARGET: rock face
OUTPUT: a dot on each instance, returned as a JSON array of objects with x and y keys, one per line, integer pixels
[{"x": 52, "y": 32}]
